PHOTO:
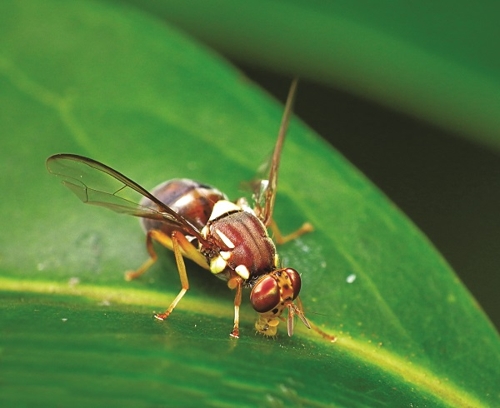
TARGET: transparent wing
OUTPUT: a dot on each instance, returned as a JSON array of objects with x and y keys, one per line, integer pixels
[
  {"x": 264, "y": 187},
  {"x": 97, "y": 184}
]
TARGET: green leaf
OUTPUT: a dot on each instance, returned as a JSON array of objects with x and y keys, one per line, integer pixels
[
  {"x": 110, "y": 83},
  {"x": 427, "y": 59}
]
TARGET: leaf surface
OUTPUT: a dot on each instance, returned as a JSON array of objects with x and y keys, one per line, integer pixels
[{"x": 110, "y": 83}]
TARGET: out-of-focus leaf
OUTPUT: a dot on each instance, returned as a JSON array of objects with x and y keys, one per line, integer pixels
[{"x": 427, "y": 59}]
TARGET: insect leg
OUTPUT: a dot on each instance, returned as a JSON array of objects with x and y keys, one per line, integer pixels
[
  {"x": 282, "y": 239},
  {"x": 178, "y": 241},
  {"x": 236, "y": 283},
  {"x": 130, "y": 275},
  {"x": 187, "y": 250},
  {"x": 299, "y": 310},
  {"x": 296, "y": 310}
]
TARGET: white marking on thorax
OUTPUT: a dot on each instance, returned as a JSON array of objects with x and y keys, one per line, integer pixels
[
  {"x": 225, "y": 239},
  {"x": 243, "y": 271},
  {"x": 217, "y": 264},
  {"x": 222, "y": 207},
  {"x": 182, "y": 201},
  {"x": 226, "y": 255}
]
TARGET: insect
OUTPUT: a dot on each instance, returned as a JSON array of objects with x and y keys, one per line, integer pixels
[{"x": 198, "y": 222}]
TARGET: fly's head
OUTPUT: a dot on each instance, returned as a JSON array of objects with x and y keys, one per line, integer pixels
[{"x": 271, "y": 295}]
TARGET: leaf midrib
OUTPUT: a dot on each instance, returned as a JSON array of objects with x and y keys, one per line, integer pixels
[{"x": 363, "y": 351}]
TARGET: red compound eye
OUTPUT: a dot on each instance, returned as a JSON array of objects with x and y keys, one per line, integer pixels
[
  {"x": 265, "y": 295},
  {"x": 296, "y": 281}
]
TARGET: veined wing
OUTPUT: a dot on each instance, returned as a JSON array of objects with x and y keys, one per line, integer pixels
[{"x": 97, "y": 184}]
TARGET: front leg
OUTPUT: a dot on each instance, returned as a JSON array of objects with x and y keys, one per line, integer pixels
[{"x": 236, "y": 283}]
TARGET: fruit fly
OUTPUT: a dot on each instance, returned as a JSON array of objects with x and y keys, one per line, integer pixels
[{"x": 198, "y": 222}]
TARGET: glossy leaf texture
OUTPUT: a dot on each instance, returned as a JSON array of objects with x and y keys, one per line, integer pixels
[{"x": 108, "y": 82}]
